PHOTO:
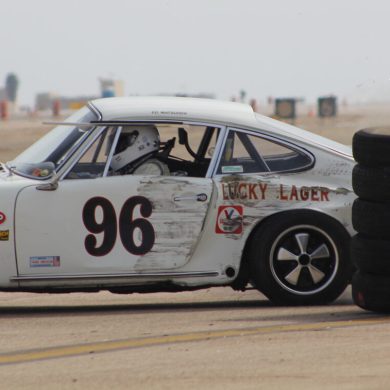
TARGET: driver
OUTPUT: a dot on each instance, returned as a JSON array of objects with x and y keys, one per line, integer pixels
[{"x": 136, "y": 152}]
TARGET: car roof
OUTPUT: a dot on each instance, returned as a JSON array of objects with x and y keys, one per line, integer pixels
[{"x": 169, "y": 108}]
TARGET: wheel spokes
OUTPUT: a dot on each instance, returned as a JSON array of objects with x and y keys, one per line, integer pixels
[
  {"x": 293, "y": 276},
  {"x": 284, "y": 254},
  {"x": 315, "y": 273},
  {"x": 321, "y": 252},
  {"x": 302, "y": 241}
]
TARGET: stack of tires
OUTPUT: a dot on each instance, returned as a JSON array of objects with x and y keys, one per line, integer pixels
[{"x": 371, "y": 219}]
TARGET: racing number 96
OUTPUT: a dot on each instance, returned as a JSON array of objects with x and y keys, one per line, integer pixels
[{"x": 126, "y": 226}]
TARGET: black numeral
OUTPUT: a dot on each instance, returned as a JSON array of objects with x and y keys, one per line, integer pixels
[
  {"x": 128, "y": 226},
  {"x": 107, "y": 226}
]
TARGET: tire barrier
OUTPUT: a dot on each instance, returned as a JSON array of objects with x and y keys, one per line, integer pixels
[
  {"x": 371, "y": 147},
  {"x": 371, "y": 183},
  {"x": 285, "y": 108},
  {"x": 327, "y": 107},
  {"x": 370, "y": 248}
]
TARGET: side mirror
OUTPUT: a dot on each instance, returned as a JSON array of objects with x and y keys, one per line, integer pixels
[{"x": 52, "y": 185}]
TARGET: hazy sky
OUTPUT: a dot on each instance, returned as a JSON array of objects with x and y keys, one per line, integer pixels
[{"x": 302, "y": 48}]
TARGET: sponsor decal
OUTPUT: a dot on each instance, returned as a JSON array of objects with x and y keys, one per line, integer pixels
[
  {"x": 237, "y": 190},
  {"x": 229, "y": 220},
  {"x": 304, "y": 194},
  {"x": 45, "y": 261},
  {"x": 3, "y": 218},
  {"x": 4, "y": 235},
  {"x": 233, "y": 169},
  {"x": 261, "y": 191}
]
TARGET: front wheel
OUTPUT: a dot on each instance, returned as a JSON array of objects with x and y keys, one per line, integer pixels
[{"x": 300, "y": 258}]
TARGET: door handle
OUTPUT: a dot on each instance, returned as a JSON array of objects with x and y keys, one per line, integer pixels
[{"x": 198, "y": 198}]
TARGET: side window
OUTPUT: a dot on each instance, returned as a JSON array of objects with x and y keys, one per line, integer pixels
[
  {"x": 93, "y": 162},
  {"x": 164, "y": 149},
  {"x": 247, "y": 153}
]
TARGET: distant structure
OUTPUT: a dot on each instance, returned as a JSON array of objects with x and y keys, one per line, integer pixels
[
  {"x": 11, "y": 87},
  {"x": 111, "y": 88},
  {"x": 46, "y": 100},
  {"x": 285, "y": 108},
  {"x": 327, "y": 106},
  {"x": 3, "y": 94}
]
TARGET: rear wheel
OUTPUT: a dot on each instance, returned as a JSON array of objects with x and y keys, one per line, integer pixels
[{"x": 300, "y": 258}]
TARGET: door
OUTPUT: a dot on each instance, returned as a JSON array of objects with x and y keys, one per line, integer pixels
[{"x": 110, "y": 224}]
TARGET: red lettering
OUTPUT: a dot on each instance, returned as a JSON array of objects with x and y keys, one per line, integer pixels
[
  {"x": 304, "y": 193},
  {"x": 314, "y": 195},
  {"x": 294, "y": 193},
  {"x": 263, "y": 188},
  {"x": 252, "y": 192},
  {"x": 233, "y": 190},
  {"x": 225, "y": 195},
  {"x": 325, "y": 195},
  {"x": 242, "y": 191},
  {"x": 282, "y": 195}
]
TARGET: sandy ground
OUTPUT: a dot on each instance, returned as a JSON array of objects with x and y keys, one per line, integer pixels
[{"x": 210, "y": 339}]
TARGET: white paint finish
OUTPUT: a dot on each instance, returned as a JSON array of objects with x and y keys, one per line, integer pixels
[
  {"x": 9, "y": 187},
  {"x": 177, "y": 224},
  {"x": 49, "y": 223},
  {"x": 171, "y": 108}
]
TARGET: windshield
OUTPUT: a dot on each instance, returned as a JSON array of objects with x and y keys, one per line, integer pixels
[{"x": 50, "y": 151}]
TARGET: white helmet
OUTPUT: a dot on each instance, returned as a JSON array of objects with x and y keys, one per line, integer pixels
[{"x": 134, "y": 143}]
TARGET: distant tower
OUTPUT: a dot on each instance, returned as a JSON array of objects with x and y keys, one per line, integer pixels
[
  {"x": 111, "y": 87},
  {"x": 11, "y": 87}
]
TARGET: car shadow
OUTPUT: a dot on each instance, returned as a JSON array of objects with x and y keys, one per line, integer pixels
[
  {"x": 132, "y": 308},
  {"x": 329, "y": 312}
]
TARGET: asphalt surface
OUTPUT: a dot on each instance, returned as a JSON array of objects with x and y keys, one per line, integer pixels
[{"x": 215, "y": 338}]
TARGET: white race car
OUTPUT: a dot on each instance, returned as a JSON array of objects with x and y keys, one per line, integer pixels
[{"x": 150, "y": 194}]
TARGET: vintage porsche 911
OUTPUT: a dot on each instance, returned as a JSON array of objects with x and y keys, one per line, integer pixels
[{"x": 151, "y": 194}]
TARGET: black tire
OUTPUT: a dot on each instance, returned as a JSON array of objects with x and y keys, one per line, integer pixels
[
  {"x": 371, "y": 292},
  {"x": 371, "y": 255},
  {"x": 371, "y": 183},
  {"x": 371, "y": 147},
  {"x": 282, "y": 263},
  {"x": 371, "y": 218}
]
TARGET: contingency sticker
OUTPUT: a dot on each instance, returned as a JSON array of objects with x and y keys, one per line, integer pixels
[
  {"x": 4, "y": 235},
  {"x": 3, "y": 218},
  {"x": 45, "y": 261},
  {"x": 229, "y": 220}
]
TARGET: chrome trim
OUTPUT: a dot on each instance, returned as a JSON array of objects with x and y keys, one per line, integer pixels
[
  {"x": 77, "y": 154},
  {"x": 113, "y": 146},
  {"x": 93, "y": 108},
  {"x": 78, "y": 124},
  {"x": 158, "y": 275}
]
